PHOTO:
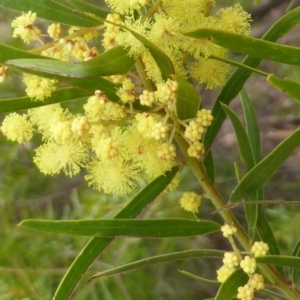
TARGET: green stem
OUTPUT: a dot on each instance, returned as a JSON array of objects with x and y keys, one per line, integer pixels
[
  {"x": 200, "y": 173},
  {"x": 147, "y": 84},
  {"x": 237, "y": 64}
]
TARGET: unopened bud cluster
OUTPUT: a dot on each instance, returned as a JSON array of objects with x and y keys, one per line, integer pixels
[
  {"x": 232, "y": 261},
  {"x": 129, "y": 130}
]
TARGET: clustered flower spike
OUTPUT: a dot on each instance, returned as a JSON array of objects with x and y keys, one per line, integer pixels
[
  {"x": 129, "y": 130},
  {"x": 259, "y": 249},
  {"x": 233, "y": 260},
  {"x": 228, "y": 230}
]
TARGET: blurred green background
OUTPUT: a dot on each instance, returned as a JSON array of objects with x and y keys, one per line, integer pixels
[{"x": 32, "y": 264}]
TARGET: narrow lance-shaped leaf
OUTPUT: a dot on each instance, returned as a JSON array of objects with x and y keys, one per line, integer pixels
[
  {"x": 162, "y": 60},
  {"x": 242, "y": 137},
  {"x": 252, "y": 127},
  {"x": 280, "y": 260},
  {"x": 296, "y": 272},
  {"x": 159, "y": 259},
  {"x": 289, "y": 86},
  {"x": 151, "y": 228},
  {"x": 253, "y": 133},
  {"x": 236, "y": 81},
  {"x": 9, "y": 53},
  {"x": 113, "y": 61},
  {"x": 258, "y": 175},
  {"x": 229, "y": 288},
  {"x": 188, "y": 100},
  {"x": 93, "y": 248},
  {"x": 60, "y": 95},
  {"x": 249, "y": 45},
  {"x": 85, "y": 7},
  {"x": 51, "y": 11},
  {"x": 266, "y": 234}
]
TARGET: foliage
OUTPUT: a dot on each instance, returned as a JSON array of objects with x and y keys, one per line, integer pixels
[{"x": 114, "y": 103}]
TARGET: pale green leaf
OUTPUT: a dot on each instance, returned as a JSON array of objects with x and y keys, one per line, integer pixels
[
  {"x": 94, "y": 247},
  {"x": 289, "y": 86},
  {"x": 249, "y": 45},
  {"x": 188, "y": 100},
  {"x": 150, "y": 228},
  {"x": 51, "y": 11},
  {"x": 258, "y": 175},
  {"x": 150, "y": 261}
]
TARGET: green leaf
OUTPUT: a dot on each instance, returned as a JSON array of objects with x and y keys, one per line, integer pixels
[
  {"x": 85, "y": 7},
  {"x": 113, "y": 61},
  {"x": 51, "y": 11},
  {"x": 296, "y": 272},
  {"x": 266, "y": 234},
  {"x": 9, "y": 53},
  {"x": 229, "y": 288},
  {"x": 159, "y": 259},
  {"x": 280, "y": 260},
  {"x": 202, "y": 279},
  {"x": 258, "y": 175},
  {"x": 151, "y": 228},
  {"x": 94, "y": 247},
  {"x": 236, "y": 81},
  {"x": 188, "y": 100},
  {"x": 242, "y": 137},
  {"x": 289, "y": 86},
  {"x": 60, "y": 95},
  {"x": 249, "y": 45},
  {"x": 162, "y": 60},
  {"x": 209, "y": 166},
  {"x": 251, "y": 126}
]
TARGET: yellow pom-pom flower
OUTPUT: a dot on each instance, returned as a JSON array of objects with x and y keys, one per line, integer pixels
[
  {"x": 24, "y": 28},
  {"x": 190, "y": 201},
  {"x": 38, "y": 88},
  {"x": 17, "y": 128}
]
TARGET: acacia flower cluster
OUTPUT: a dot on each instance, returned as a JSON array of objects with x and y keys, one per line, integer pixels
[
  {"x": 118, "y": 142},
  {"x": 233, "y": 260}
]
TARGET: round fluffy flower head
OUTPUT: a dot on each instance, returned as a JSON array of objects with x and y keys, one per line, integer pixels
[
  {"x": 228, "y": 230},
  {"x": 259, "y": 249},
  {"x": 107, "y": 148},
  {"x": 3, "y": 73},
  {"x": 210, "y": 72},
  {"x": 24, "y": 28},
  {"x": 17, "y": 128},
  {"x": 52, "y": 158},
  {"x": 190, "y": 201},
  {"x": 256, "y": 281},
  {"x": 115, "y": 176},
  {"x": 125, "y": 6},
  {"x": 245, "y": 292},
  {"x": 127, "y": 40},
  {"x": 126, "y": 92},
  {"x": 223, "y": 273},
  {"x": 38, "y": 88},
  {"x": 234, "y": 19},
  {"x": 230, "y": 260},
  {"x": 196, "y": 150},
  {"x": 165, "y": 30},
  {"x": 248, "y": 264}
]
